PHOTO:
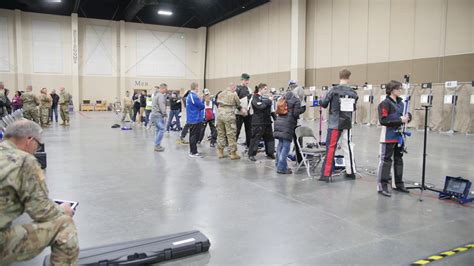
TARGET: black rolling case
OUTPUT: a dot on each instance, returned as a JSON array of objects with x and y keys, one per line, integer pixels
[
  {"x": 41, "y": 158},
  {"x": 145, "y": 251}
]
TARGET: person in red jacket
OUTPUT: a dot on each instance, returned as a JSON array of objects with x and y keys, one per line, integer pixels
[{"x": 391, "y": 118}]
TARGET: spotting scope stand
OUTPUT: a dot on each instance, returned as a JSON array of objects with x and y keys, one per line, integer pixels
[{"x": 423, "y": 185}]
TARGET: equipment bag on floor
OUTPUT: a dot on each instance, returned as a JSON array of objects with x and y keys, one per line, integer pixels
[{"x": 145, "y": 251}]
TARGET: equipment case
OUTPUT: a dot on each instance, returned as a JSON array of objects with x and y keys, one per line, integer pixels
[{"x": 145, "y": 251}]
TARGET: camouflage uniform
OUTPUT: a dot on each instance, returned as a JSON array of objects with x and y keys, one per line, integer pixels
[
  {"x": 64, "y": 99},
  {"x": 3, "y": 102},
  {"x": 45, "y": 108},
  {"x": 227, "y": 102},
  {"x": 127, "y": 108},
  {"x": 30, "y": 104},
  {"x": 23, "y": 189}
]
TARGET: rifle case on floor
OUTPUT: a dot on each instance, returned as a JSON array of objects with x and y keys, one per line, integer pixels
[{"x": 145, "y": 251}]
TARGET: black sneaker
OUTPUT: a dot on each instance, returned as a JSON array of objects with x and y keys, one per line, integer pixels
[
  {"x": 271, "y": 156},
  {"x": 401, "y": 188},
  {"x": 252, "y": 158},
  {"x": 350, "y": 176},
  {"x": 325, "y": 178}
]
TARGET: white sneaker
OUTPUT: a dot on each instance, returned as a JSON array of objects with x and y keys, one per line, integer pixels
[{"x": 196, "y": 155}]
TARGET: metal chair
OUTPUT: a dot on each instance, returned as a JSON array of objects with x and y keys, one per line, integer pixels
[{"x": 312, "y": 156}]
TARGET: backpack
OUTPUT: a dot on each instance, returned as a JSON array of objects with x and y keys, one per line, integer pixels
[{"x": 282, "y": 106}]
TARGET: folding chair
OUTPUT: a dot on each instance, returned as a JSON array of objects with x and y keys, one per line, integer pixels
[{"x": 312, "y": 156}]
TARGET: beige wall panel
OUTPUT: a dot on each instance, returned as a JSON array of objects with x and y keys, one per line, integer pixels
[
  {"x": 459, "y": 27},
  {"x": 323, "y": 77},
  {"x": 379, "y": 31},
  {"x": 429, "y": 20},
  {"x": 359, "y": 74},
  {"x": 98, "y": 88},
  {"x": 49, "y": 81},
  {"x": 458, "y": 67},
  {"x": 273, "y": 35},
  {"x": 65, "y": 23},
  {"x": 310, "y": 77},
  {"x": 211, "y": 53},
  {"x": 340, "y": 32},
  {"x": 358, "y": 30},
  {"x": 324, "y": 33},
  {"x": 425, "y": 70},
  {"x": 263, "y": 43},
  {"x": 9, "y": 80},
  {"x": 310, "y": 34},
  {"x": 378, "y": 73},
  {"x": 284, "y": 53},
  {"x": 402, "y": 21},
  {"x": 397, "y": 69},
  {"x": 273, "y": 80}
]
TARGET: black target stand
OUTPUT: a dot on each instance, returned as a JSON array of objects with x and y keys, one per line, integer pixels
[{"x": 423, "y": 186}]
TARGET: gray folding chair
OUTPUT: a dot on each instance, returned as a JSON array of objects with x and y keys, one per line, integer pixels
[{"x": 312, "y": 156}]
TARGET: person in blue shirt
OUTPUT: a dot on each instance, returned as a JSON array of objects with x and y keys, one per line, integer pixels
[{"x": 194, "y": 118}]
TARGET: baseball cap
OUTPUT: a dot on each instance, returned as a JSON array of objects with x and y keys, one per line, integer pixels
[
  {"x": 206, "y": 91},
  {"x": 292, "y": 82},
  {"x": 245, "y": 76}
]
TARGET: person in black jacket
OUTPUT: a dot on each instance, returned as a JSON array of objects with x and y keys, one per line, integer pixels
[
  {"x": 244, "y": 95},
  {"x": 261, "y": 122},
  {"x": 136, "y": 107},
  {"x": 284, "y": 131},
  {"x": 175, "y": 110},
  {"x": 142, "y": 105},
  {"x": 54, "y": 106}
]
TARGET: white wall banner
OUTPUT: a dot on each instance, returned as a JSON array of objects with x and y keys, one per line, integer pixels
[{"x": 46, "y": 47}]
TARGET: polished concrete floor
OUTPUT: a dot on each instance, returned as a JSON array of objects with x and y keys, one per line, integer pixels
[{"x": 251, "y": 214}]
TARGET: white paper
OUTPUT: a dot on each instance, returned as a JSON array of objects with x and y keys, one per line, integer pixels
[
  {"x": 312, "y": 88},
  {"x": 451, "y": 84},
  {"x": 347, "y": 104},
  {"x": 382, "y": 97},
  {"x": 406, "y": 85},
  {"x": 424, "y": 99},
  {"x": 310, "y": 99},
  {"x": 368, "y": 87},
  {"x": 366, "y": 98},
  {"x": 448, "y": 99},
  {"x": 472, "y": 99}
]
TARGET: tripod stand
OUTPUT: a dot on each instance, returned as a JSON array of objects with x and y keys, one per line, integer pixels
[{"x": 423, "y": 186}]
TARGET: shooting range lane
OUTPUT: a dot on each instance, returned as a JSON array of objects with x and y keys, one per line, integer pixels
[{"x": 127, "y": 192}]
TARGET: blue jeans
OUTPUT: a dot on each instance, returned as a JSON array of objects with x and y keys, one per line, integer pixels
[
  {"x": 147, "y": 117},
  {"x": 160, "y": 130},
  {"x": 282, "y": 153},
  {"x": 55, "y": 111},
  {"x": 173, "y": 113}
]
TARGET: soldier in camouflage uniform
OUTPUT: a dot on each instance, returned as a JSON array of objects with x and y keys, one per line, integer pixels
[
  {"x": 64, "y": 99},
  {"x": 3, "y": 101},
  {"x": 45, "y": 107},
  {"x": 227, "y": 103},
  {"x": 30, "y": 105},
  {"x": 127, "y": 106},
  {"x": 23, "y": 189}
]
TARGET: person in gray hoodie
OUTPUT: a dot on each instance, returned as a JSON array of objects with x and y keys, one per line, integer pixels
[{"x": 158, "y": 115}]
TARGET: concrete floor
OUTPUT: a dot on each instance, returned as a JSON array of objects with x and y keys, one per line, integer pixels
[{"x": 251, "y": 214}]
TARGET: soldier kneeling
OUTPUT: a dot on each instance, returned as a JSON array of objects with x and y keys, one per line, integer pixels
[{"x": 23, "y": 189}]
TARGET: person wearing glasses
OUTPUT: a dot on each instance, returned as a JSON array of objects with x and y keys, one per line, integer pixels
[{"x": 23, "y": 189}]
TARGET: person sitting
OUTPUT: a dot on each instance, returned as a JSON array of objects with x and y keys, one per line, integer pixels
[{"x": 23, "y": 189}]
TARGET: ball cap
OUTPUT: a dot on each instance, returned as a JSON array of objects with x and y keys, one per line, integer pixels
[
  {"x": 245, "y": 76},
  {"x": 292, "y": 82},
  {"x": 206, "y": 91}
]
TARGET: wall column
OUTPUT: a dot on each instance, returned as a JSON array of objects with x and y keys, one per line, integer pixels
[
  {"x": 121, "y": 62},
  {"x": 75, "y": 90},
  {"x": 298, "y": 41},
  {"x": 19, "y": 78}
]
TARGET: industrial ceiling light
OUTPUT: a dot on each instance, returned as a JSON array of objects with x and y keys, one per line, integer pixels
[
  {"x": 53, "y": 1},
  {"x": 165, "y": 12}
]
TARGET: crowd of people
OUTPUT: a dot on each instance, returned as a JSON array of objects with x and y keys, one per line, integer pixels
[
  {"x": 23, "y": 185},
  {"x": 41, "y": 108}
]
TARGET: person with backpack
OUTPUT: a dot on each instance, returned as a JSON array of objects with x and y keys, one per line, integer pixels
[
  {"x": 342, "y": 101},
  {"x": 288, "y": 111},
  {"x": 209, "y": 118},
  {"x": 261, "y": 106}
]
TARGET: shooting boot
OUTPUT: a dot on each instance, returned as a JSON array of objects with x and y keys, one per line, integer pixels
[
  {"x": 234, "y": 156},
  {"x": 220, "y": 153}
]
